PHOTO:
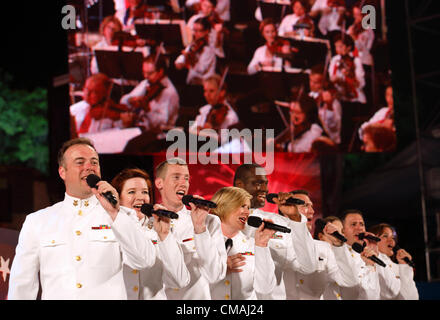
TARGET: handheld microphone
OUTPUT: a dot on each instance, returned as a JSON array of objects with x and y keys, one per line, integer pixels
[
  {"x": 92, "y": 180},
  {"x": 292, "y": 201},
  {"x": 406, "y": 259},
  {"x": 359, "y": 248},
  {"x": 147, "y": 209},
  {"x": 363, "y": 236},
  {"x": 254, "y": 221},
  {"x": 321, "y": 224},
  {"x": 198, "y": 202}
]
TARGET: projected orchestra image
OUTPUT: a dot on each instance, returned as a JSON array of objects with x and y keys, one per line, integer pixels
[{"x": 218, "y": 215}]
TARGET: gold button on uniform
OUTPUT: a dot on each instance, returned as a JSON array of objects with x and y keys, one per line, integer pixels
[
  {"x": 227, "y": 282},
  {"x": 135, "y": 288},
  {"x": 80, "y": 213},
  {"x": 78, "y": 233},
  {"x": 301, "y": 281},
  {"x": 134, "y": 271},
  {"x": 78, "y": 258},
  {"x": 227, "y": 297},
  {"x": 79, "y": 285},
  {"x": 53, "y": 241}
]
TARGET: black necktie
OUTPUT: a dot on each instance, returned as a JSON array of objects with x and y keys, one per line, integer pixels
[{"x": 228, "y": 244}]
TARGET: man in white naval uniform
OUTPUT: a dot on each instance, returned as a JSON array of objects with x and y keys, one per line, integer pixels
[
  {"x": 291, "y": 252},
  {"x": 368, "y": 273},
  {"x": 79, "y": 245},
  {"x": 198, "y": 233}
]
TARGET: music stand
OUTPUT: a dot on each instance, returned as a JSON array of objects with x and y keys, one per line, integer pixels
[
  {"x": 167, "y": 31},
  {"x": 311, "y": 52},
  {"x": 120, "y": 64},
  {"x": 276, "y": 83},
  {"x": 273, "y": 9}
]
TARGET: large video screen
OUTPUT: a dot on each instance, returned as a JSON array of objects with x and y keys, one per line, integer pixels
[{"x": 305, "y": 76}]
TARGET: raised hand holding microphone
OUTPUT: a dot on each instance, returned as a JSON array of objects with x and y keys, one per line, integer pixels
[
  {"x": 287, "y": 205},
  {"x": 198, "y": 214},
  {"x": 105, "y": 193},
  {"x": 403, "y": 257}
]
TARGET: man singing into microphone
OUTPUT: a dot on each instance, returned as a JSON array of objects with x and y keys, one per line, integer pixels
[
  {"x": 198, "y": 232},
  {"x": 76, "y": 248},
  {"x": 292, "y": 251},
  {"x": 362, "y": 264}
]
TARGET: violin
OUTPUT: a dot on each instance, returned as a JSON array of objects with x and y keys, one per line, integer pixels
[
  {"x": 357, "y": 29},
  {"x": 154, "y": 91},
  {"x": 281, "y": 47},
  {"x": 350, "y": 83},
  {"x": 195, "y": 48},
  {"x": 107, "y": 109},
  {"x": 125, "y": 39},
  {"x": 305, "y": 23},
  {"x": 216, "y": 116}
]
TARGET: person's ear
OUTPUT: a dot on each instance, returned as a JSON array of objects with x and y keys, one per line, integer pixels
[
  {"x": 62, "y": 172},
  {"x": 158, "y": 183}
]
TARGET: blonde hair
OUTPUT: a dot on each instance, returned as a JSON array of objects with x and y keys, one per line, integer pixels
[
  {"x": 161, "y": 169},
  {"x": 229, "y": 199}
]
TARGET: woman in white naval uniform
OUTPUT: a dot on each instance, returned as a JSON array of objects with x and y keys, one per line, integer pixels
[
  {"x": 77, "y": 247},
  {"x": 250, "y": 265},
  {"x": 400, "y": 283},
  {"x": 198, "y": 233},
  {"x": 134, "y": 187}
]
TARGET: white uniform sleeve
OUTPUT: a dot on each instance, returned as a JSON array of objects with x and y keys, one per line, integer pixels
[
  {"x": 175, "y": 274},
  {"x": 340, "y": 271},
  {"x": 408, "y": 289},
  {"x": 264, "y": 278},
  {"x": 137, "y": 250},
  {"x": 23, "y": 281},
  {"x": 369, "y": 286},
  {"x": 138, "y": 91},
  {"x": 389, "y": 282},
  {"x": 253, "y": 66},
  {"x": 304, "y": 247},
  {"x": 211, "y": 251}
]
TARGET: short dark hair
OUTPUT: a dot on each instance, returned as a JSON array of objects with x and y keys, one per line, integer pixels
[
  {"x": 345, "y": 38},
  {"x": 161, "y": 62},
  {"x": 66, "y": 145},
  {"x": 378, "y": 229},
  {"x": 242, "y": 170},
  {"x": 300, "y": 191},
  {"x": 319, "y": 228},
  {"x": 345, "y": 213},
  {"x": 383, "y": 137}
]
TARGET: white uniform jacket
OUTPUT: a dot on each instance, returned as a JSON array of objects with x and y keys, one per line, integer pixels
[
  {"x": 368, "y": 287},
  {"x": 258, "y": 275},
  {"x": 169, "y": 268},
  {"x": 304, "y": 142},
  {"x": 397, "y": 281},
  {"x": 312, "y": 286},
  {"x": 78, "y": 251},
  {"x": 204, "y": 254},
  {"x": 290, "y": 252}
]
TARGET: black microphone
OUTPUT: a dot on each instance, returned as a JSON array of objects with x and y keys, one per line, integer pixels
[
  {"x": 406, "y": 259},
  {"x": 92, "y": 180},
  {"x": 147, "y": 209},
  {"x": 270, "y": 196},
  {"x": 186, "y": 199},
  {"x": 359, "y": 248},
  {"x": 321, "y": 224},
  {"x": 254, "y": 221},
  {"x": 363, "y": 236}
]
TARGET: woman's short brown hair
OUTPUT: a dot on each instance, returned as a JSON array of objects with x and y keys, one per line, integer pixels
[{"x": 129, "y": 173}]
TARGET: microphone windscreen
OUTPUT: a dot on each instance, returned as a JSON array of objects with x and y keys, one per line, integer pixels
[
  {"x": 92, "y": 180},
  {"x": 146, "y": 209},
  {"x": 396, "y": 248},
  {"x": 270, "y": 196},
  {"x": 357, "y": 247},
  {"x": 254, "y": 221},
  {"x": 186, "y": 199}
]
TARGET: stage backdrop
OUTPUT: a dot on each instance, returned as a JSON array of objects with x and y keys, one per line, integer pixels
[
  {"x": 8, "y": 242},
  {"x": 291, "y": 171}
]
